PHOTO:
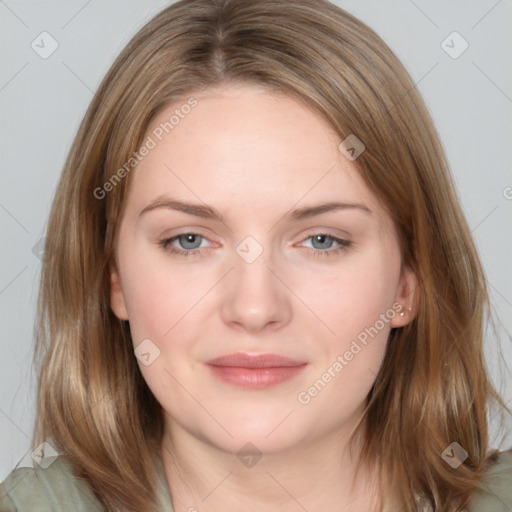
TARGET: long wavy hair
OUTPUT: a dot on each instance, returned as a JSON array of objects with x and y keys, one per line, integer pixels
[{"x": 433, "y": 387}]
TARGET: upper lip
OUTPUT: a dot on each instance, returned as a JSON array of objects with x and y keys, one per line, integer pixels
[{"x": 243, "y": 360}]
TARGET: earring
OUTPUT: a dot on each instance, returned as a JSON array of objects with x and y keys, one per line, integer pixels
[{"x": 402, "y": 313}]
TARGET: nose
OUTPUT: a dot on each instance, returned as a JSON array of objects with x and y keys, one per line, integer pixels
[{"x": 254, "y": 295}]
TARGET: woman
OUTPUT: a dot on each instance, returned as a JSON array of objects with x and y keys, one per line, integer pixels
[{"x": 258, "y": 368}]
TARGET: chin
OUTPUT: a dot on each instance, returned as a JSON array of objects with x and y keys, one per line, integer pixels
[
  {"x": 255, "y": 444},
  {"x": 269, "y": 435}
]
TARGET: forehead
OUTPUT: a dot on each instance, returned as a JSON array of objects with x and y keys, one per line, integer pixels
[{"x": 248, "y": 146}]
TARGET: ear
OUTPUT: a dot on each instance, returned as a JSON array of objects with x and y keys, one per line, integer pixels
[
  {"x": 117, "y": 301},
  {"x": 406, "y": 297}
]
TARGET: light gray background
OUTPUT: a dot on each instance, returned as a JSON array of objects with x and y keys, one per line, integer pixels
[{"x": 43, "y": 100}]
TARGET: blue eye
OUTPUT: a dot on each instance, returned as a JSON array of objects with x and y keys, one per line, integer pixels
[
  {"x": 321, "y": 238},
  {"x": 191, "y": 243},
  {"x": 187, "y": 240}
]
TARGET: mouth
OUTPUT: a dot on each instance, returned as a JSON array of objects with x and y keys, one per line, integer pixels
[{"x": 255, "y": 371}]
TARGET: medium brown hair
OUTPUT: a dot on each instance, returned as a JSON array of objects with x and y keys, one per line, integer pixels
[{"x": 432, "y": 388}]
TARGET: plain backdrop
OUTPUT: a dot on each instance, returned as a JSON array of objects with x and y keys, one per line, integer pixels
[{"x": 468, "y": 91}]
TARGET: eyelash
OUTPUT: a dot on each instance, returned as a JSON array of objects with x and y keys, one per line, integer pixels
[{"x": 343, "y": 245}]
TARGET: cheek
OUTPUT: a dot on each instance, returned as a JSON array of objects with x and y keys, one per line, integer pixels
[
  {"x": 163, "y": 305},
  {"x": 158, "y": 299},
  {"x": 353, "y": 297},
  {"x": 356, "y": 311}
]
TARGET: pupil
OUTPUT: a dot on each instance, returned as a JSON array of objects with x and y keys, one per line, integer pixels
[
  {"x": 190, "y": 239},
  {"x": 321, "y": 239}
]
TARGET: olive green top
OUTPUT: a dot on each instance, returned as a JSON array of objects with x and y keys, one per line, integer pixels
[{"x": 56, "y": 489}]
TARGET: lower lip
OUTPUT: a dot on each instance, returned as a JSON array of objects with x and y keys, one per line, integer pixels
[{"x": 256, "y": 378}]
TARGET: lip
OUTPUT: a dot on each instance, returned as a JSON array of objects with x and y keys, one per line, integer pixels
[
  {"x": 242, "y": 360},
  {"x": 255, "y": 371}
]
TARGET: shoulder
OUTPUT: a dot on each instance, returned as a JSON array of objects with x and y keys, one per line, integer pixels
[
  {"x": 51, "y": 489},
  {"x": 496, "y": 494}
]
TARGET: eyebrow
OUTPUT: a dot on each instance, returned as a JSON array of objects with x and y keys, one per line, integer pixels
[{"x": 208, "y": 212}]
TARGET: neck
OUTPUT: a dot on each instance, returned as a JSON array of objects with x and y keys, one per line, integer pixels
[{"x": 320, "y": 475}]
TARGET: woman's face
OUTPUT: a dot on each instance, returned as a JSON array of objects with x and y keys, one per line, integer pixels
[{"x": 275, "y": 275}]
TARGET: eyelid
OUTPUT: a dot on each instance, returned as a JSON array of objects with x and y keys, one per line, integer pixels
[
  {"x": 335, "y": 233},
  {"x": 176, "y": 232},
  {"x": 343, "y": 244}
]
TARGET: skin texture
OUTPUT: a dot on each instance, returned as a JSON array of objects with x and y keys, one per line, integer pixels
[{"x": 254, "y": 156}]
